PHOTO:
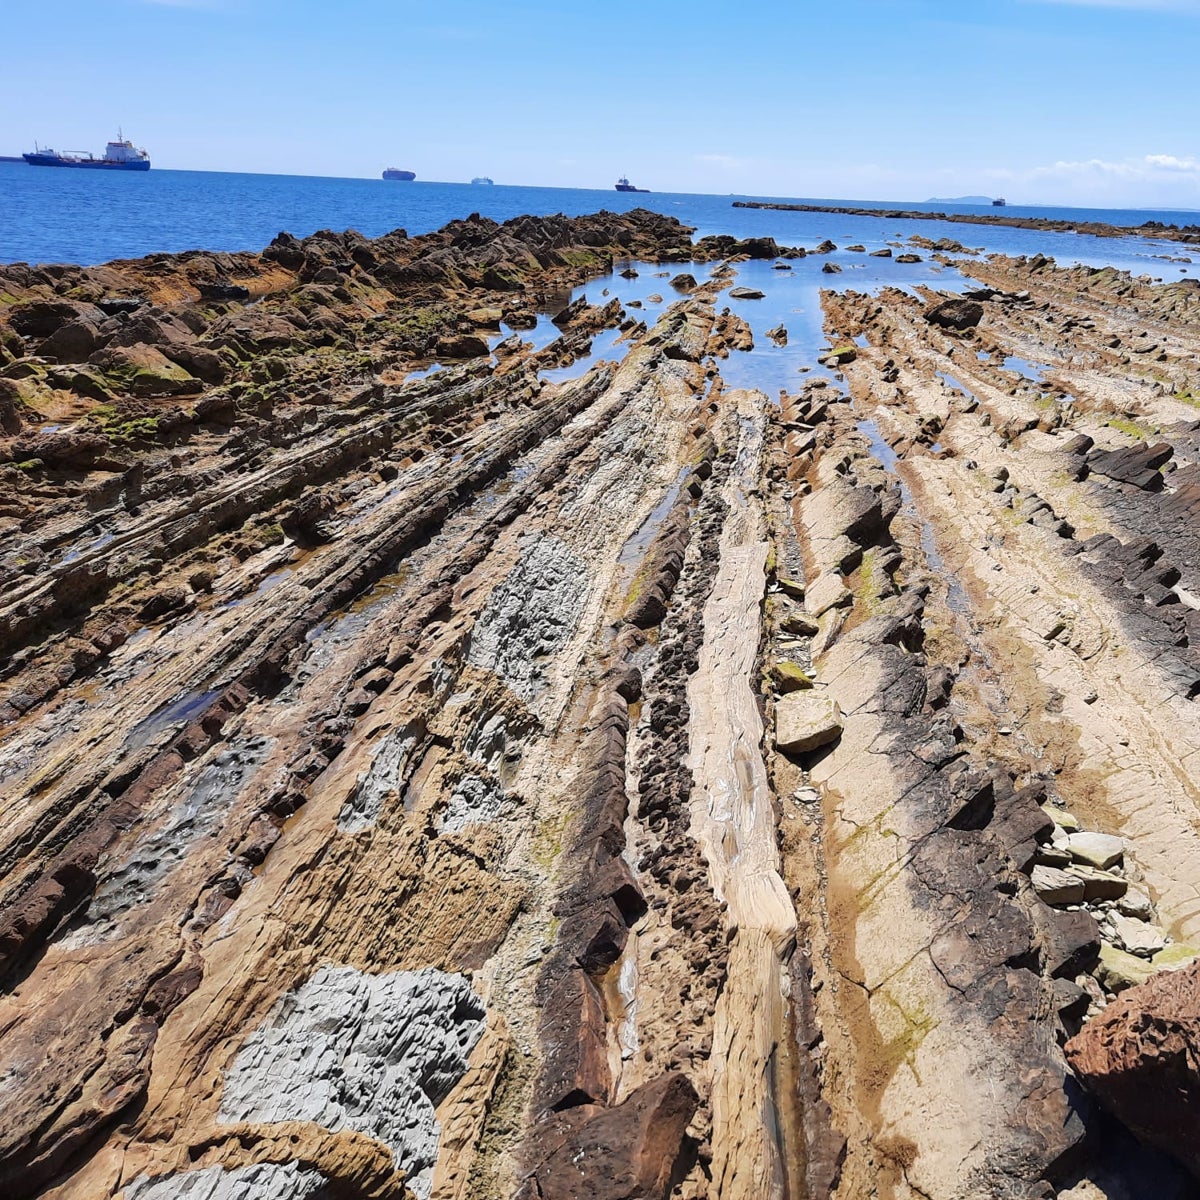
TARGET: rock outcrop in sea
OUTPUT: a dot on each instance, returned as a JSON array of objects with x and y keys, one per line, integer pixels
[{"x": 447, "y": 763}]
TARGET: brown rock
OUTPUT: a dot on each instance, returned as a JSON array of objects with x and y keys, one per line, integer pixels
[
  {"x": 636, "y": 1151},
  {"x": 462, "y": 345},
  {"x": 951, "y": 314},
  {"x": 74, "y": 342},
  {"x": 1139, "y": 1057},
  {"x": 40, "y": 318}
]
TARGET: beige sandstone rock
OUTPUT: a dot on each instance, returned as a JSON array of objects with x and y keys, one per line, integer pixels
[
  {"x": 1138, "y": 937},
  {"x": 1099, "y": 850},
  {"x": 1056, "y": 886},
  {"x": 806, "y": 722}
]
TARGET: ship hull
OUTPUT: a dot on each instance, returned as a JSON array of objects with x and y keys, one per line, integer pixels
[
  {"x": 94, "y": 164},
  {"x": 402, "y": 176},
  {"x": 630, "y": 188}
]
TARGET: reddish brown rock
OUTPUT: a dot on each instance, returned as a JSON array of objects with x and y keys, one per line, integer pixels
[
  {"x": 637, "y": 1150},
  {"x": 1141, "y": 1057}
]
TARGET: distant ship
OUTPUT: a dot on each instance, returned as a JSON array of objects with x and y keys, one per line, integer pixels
[
  {"x": 396, "y": 173},
  {"x": 623, "y": 185},
  {"x": 120, "y": 155},
  {"x": 483, "y": 180},
  {"x": 999, "y": 202}
]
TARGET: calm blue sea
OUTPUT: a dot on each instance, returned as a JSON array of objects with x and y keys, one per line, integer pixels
[{"x": 92, "y": 217}]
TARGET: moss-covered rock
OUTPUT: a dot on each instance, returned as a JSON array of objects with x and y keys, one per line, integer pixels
[
  {"x": 790, "y": 677},
  {"x": 145, "y": 371},
  {"x": 1119, "y": 970}
]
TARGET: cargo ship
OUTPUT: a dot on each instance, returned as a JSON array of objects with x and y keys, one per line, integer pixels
[
  {"x": 121, "y": 155},
  {"x": 623, "y": 185},
  {"x": 396, "y": 173},
  {"x": 482, "y": 181},
  {"x": 999, "y": 202}
]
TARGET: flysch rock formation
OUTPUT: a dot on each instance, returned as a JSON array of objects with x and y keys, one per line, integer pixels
[{"x": 447, "y": 764}]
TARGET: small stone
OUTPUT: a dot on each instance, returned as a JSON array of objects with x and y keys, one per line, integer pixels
[
  {"x": 487, "y": 317},
  {"x": 791, "y": 587},
  {"x": 1055, "y": 886},
  {"x": 1070, "y": 1000},
  {"x": 800, "y": 624},
  {"x": 1136, "y": 904},
  {"x": 1099, "y": 885},
  {"x": 828, "y": 592},
  {"x": 1119, "y": 970},
  {"x": 1139, "y": 937},
  {"x": 1100, "y": 850},
  {"x": 1063, "y": 819},
  {"x": 1094, "y": 991},
  {"x": 1048, "y": 856},
  {"x": 806, "y": 721},
  {"x": 791, "y": 677}
]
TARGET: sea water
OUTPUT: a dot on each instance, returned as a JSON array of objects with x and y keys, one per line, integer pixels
[{"x": 91, "y": 217}]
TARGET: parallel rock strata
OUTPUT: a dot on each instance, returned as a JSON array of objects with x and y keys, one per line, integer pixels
[{"x": 562, "y": 773}]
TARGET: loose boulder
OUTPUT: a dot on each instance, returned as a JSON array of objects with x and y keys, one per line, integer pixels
[
  {"x": 1139, "y": 1058},
  {"x": 636, "y": 1150},
  {"x": 954, "y": 314},
  {"x": 806, "y": 721}
]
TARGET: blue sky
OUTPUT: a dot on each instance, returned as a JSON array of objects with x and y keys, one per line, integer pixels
[{"x": 1046, "y": 101}]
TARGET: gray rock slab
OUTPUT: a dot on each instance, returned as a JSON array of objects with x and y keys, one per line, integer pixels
[
  {"x": 387, "y": 773},
  {"x": 1136, "y": 904},
  {"x": 261, "y": 1181},
  {"x": 531, "y": 615},
  {"x": 373, "y": 1053},
  {"x": 1099, "y": 885},
  {"x": 1139, "y": 937}
]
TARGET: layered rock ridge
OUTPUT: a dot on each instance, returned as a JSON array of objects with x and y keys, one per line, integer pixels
[{"x": 457, "y": 745}]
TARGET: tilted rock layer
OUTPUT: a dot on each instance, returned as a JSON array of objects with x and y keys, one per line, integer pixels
[{"x": 559, "y": 774}]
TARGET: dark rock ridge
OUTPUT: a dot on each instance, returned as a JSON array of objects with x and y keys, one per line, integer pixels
[{"x": 1149, "y": 229}]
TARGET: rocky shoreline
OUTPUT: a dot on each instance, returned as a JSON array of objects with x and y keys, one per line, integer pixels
[
  {"x": 1151, "y": 229},
  {"x": 456, "y": 744}
]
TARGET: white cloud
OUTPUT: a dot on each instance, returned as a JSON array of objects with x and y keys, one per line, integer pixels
[
  {"x": 1149, "y": 167},
  {"x": 1158, "y": 180},
  {"x": 1168, "y": 162}
]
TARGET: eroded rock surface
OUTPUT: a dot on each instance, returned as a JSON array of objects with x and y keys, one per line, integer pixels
[
  {"x": 1140, "y": 1058},
  {"x": 444, "y": 759}
]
